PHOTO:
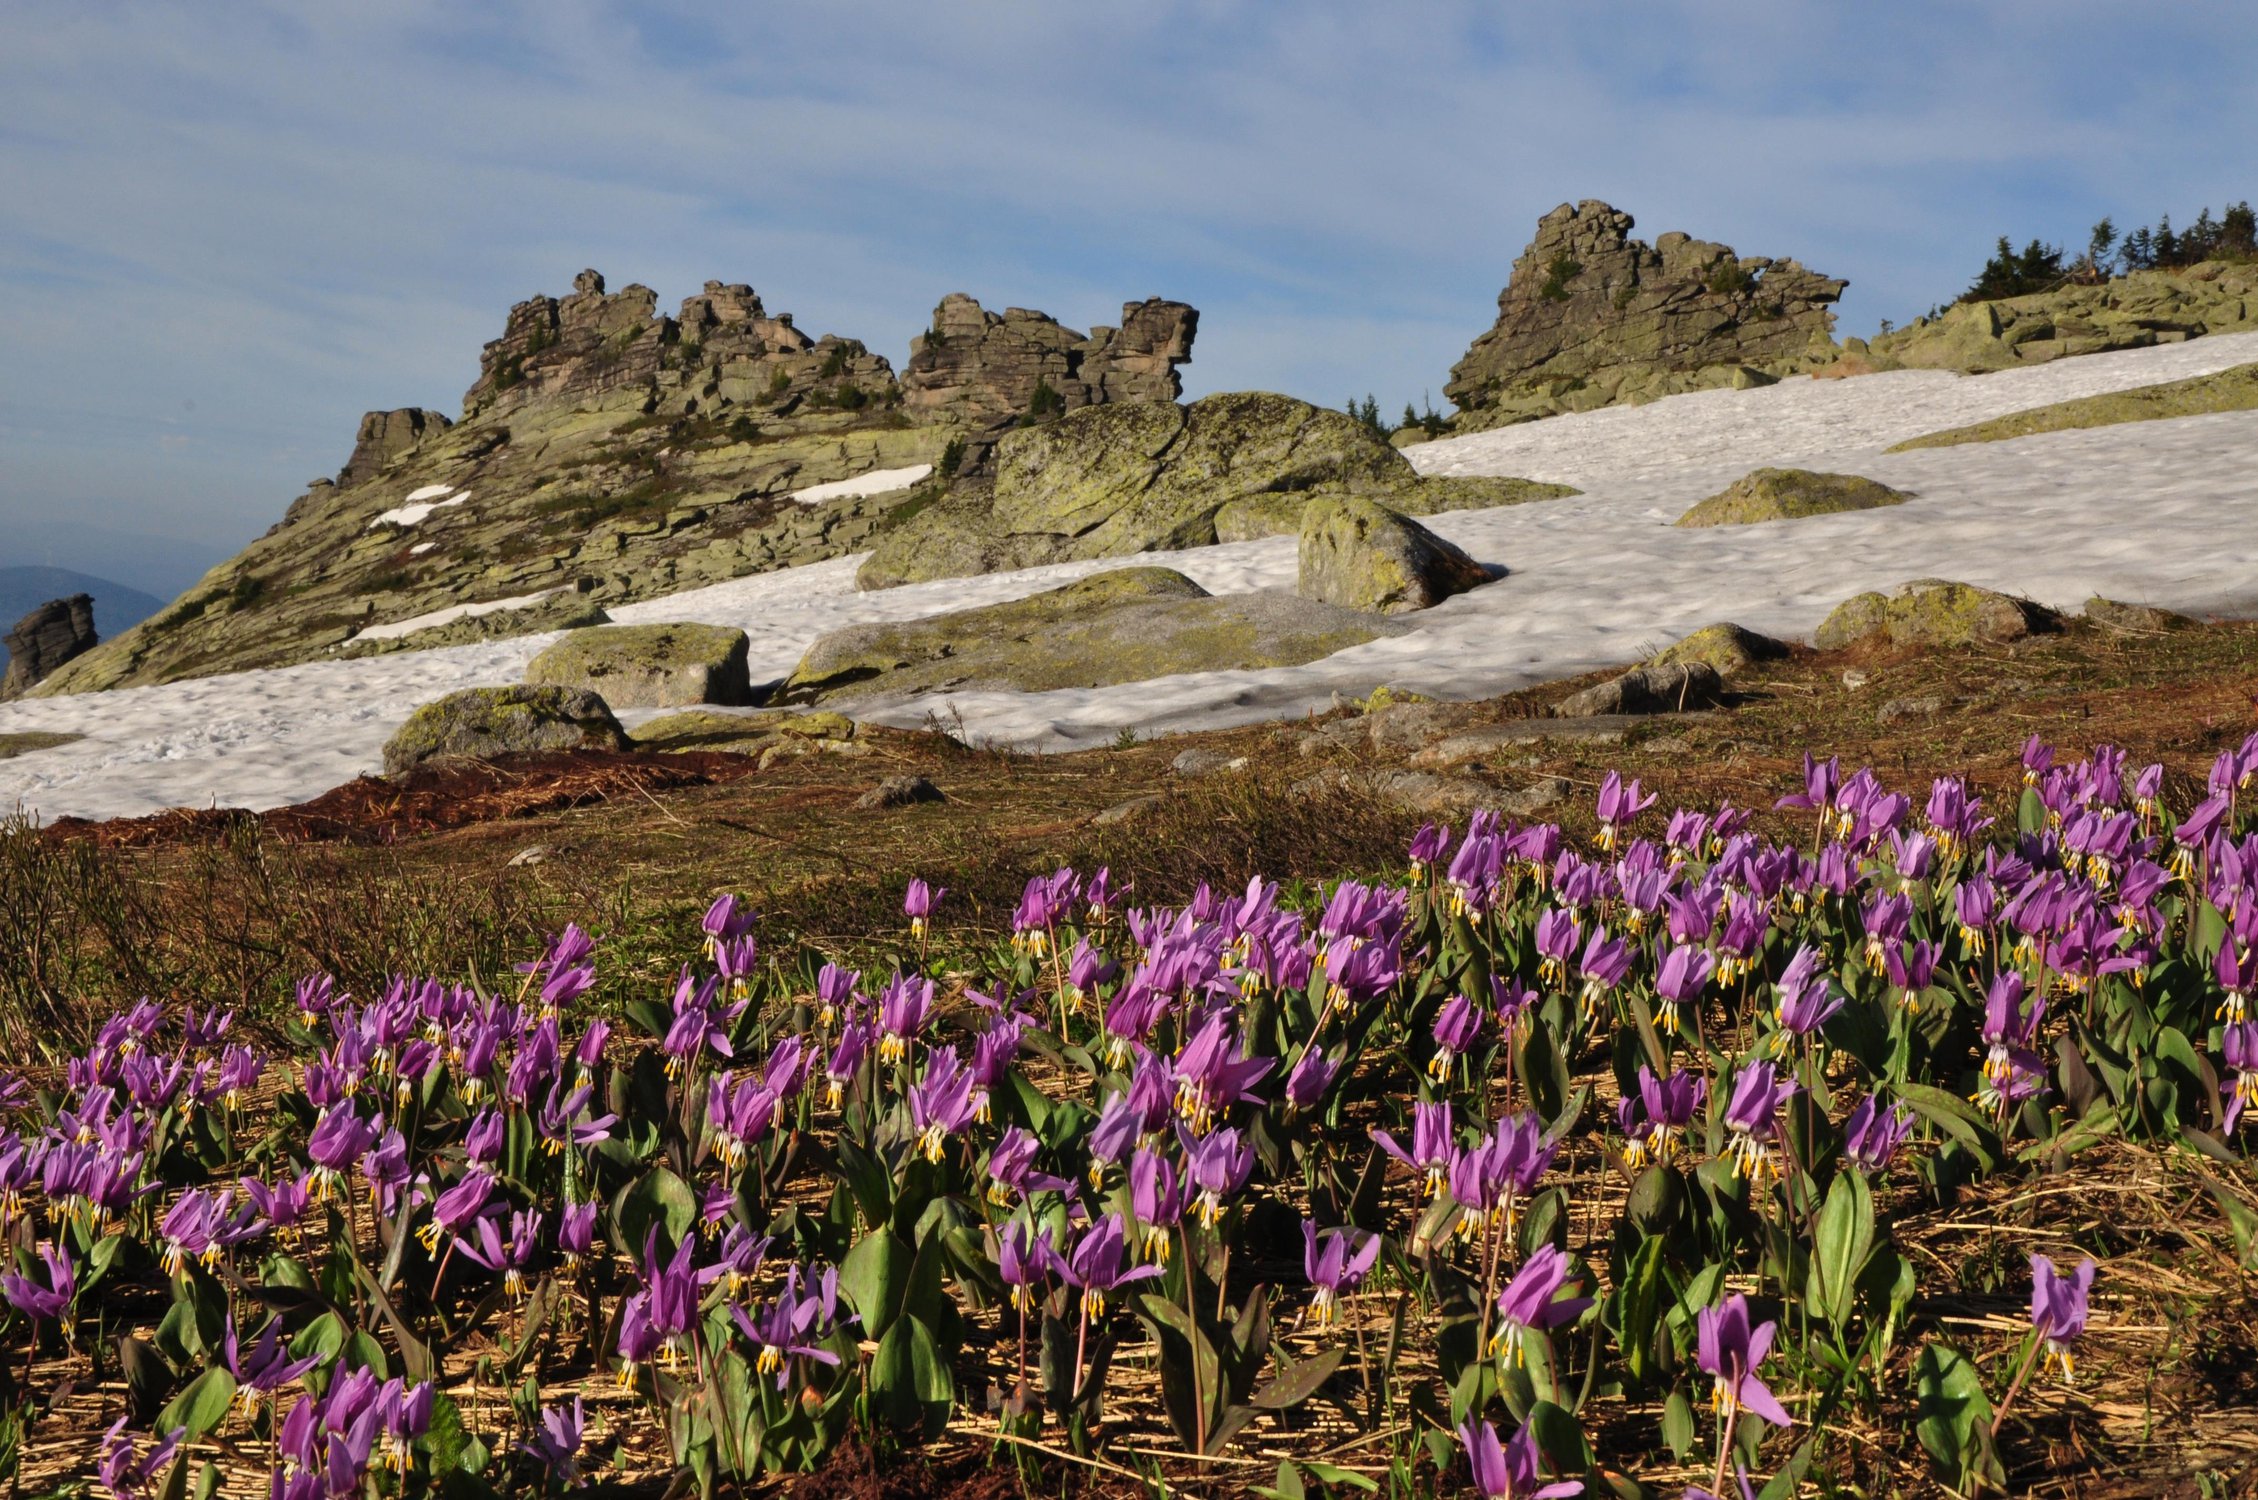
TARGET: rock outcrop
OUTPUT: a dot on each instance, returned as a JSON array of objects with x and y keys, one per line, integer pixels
[
  {"x": 1592, "y": 317},
  {"x": 2129, "y": 312},
  {"x": 1141, "y": 476},
  {"x": 481, "y": 722},
  {"x": 1932, "y": 612},
  {"x": 993, "y": 369},
  {"x": 608, "y": 452},
  {"x": 1129, "y": 625},
  {"x": 1361, "y": 555},
  {"x": 384, "y": 436},
  {"x": 2233, "y": 389},
  {"x": 1790, "y": 495},
  {"x": 649, "y": 666},
  {"x": 56, "y": 632}
]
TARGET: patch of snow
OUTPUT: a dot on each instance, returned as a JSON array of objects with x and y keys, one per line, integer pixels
[
  {"x": 2153, "y": 512},
  {"x": 876, "y": 482},
  {"x": 414, "y": 515},
  {"x": 449, "y": 616},
  {"x": 430, "y": 492},
  {"x": 420, "y": 548}
]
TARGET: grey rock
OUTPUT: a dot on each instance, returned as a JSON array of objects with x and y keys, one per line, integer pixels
[
  {"x": 1122, "y": 812},
  {"x": 1196, "y": 763},
  {"x": 650, "y": 666},
  {"x": 1925, "y": 706},
  {"x": 56, "y": 632},
  {"x": 479, "y": 722},
  {"x": 1648, "y": 690},
  {"x": 1358, "y": 554},
  {"x": 898, "y": 791}
]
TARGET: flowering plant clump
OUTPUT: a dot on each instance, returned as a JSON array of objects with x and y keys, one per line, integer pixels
[{"x": 1258, "y": 1153}]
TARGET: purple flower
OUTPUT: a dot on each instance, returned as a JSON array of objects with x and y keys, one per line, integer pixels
[
  {"x": 1752, "y": 1115},
  {"x": 556, "y": 1446},
  {"x": 1457, "y": 1024},
  {"x": 1685, "y": 973},
  {"x": 1011, "y": 1169},
  {"x": 1618, "y": 805},
  {"x": 1156, "y": 1197},
  {"x": 50, "y": 1301},
  {"x": 1338, "y": 1268},
  {"x": 1211, "y": 1076},
  {"x": 1808, "y": 996},
  {"x": 902, "y": 1010},
  {"x": 1218, "y": 1166},
  {"x": 1729, "y": 1349},
  {"x": 268, "y": 1367},
  {"x": 918, "y": 904},
  {"x": 2058, "y": 1306},
  {"x": 1432, "y": 1144},
  {"x": 1098, "y": 1264},
  {"x": 940, "y": 1103},
  {"x": 2240, "y": 1044},
  {"x": 1027, "y": 1262},
  {"x": 1872, "y": 1135},
  {"x": 128, "y": 1474},
  {"x": 506, "y": 1258},
  {"x": 1531, "y": 1301},
  {"x": 1508, "y": 1471},
  {"x": 1428, "y": 845},
  {"x": 1311, "y": 1080},
  {"x": 457, "y": 1206},
  {"x": 791, "y": 1329}
]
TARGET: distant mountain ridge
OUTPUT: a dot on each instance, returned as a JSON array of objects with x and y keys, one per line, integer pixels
[{"x": 117, "y": 608}]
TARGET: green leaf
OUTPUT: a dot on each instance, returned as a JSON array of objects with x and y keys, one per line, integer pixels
[
  {"x": 659, "y": 1198},
  {"x": 1298, "y": 1382},
  {"x": 874, "y": 1277},
  {"x": 910, "y": 1382},
  {"x": 201, "y": 1407},
  {"x": 1644, "y": 1291},
  {"x": 1841, "y": 1244},
  {"x": 1678, "y": 1423},
  {"x": 1953, "y": 1415}
]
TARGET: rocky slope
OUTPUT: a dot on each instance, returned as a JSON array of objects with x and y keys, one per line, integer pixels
[
  {"x": 1591, "y": 317},
  {"x": 609, "y": 452},
  {"x": 2129, "y": 312}
]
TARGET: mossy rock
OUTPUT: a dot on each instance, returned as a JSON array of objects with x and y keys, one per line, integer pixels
[
  {"x": 1790, "y": 495},
  {"x": 480, "y": 722},
  {"x": 1130, "y": 477},
  {"x": 1359, "y": 555},
  {"x": 566, "y": 611},
  {"x": 1932, "y": 612},
  {"x": 28, "y": 742},
  {"x": 1418, "y": 495},
  {"x": 1128, "y": 625},
  {"x": 1730, "y": 649},
  {"x": 2136, "y": 619},
  {"x": 705, "y": 729},
  {"x": 2202, "y": 395},
  {"x": 650, "y": 666}
]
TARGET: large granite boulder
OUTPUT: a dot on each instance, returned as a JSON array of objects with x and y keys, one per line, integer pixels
[
  {"x": 1142, "y": 476},
  {"x": 43, "y": 640},
  {"x": 1591, "y": 317},
  {"x": 1123, "y": 626},
  {"x": 479, "y": 722},
  {"x": 1932, "y": 612},
  {"x": 1360, "y": 555},
  {"x": 649, "y": 666},
  {"x": 987, "y": 368},
  {"x": 1790, "y": 495}
]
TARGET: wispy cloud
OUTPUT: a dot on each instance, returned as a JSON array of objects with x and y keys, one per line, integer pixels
[{"x": 287, "y": 214}]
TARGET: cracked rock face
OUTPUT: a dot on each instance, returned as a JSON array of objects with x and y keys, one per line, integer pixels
[
  {"x": 46, "y": 638},
  {"x": 995, "y": 369},
  {"x": 1592, "y": 317}
]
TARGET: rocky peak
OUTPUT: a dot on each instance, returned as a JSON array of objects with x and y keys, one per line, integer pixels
[
  {"x": 1591, "y": 316},
  {"x": 384, "y": 436},
  {"x": 992, "y": 369},
  {"x": 43, "y": 640}
]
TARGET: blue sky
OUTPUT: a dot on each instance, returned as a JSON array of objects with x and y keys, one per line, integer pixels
[{"x": 228, "y": 229}]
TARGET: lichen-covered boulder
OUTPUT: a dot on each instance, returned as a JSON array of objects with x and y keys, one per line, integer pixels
[
  {"x": 1134, "y": 476},
  {"x": 1789, "y": 495},
  {"x": 1932, "y": 612},
  {"x": 707, "y": 729},
  {"x": 649, "y": 666},
  {"x": 2133, "y": 619},
  {"x": 1726, "y": 648},
  {"x": 1127, "y": 625},
  {"x": 1361, "y": 555},
  {"x": 1418, "y": 495},
  {"x": 479, "y": 722},
  {"x": 1676, "y": 688}
]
